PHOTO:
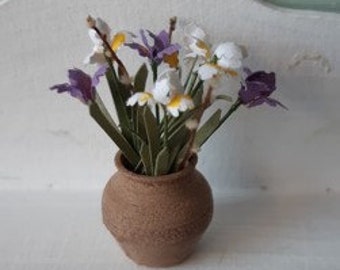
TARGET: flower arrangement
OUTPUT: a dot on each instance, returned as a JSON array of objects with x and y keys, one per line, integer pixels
[{"x": 160, "y": 126}]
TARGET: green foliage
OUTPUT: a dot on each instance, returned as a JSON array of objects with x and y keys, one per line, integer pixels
[{"x": 207, "y": 129}]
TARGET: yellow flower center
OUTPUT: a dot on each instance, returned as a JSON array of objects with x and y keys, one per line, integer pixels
[
  {"x": 172, "y": 59},
  {"x": 204, "y": 46},
  {"x": 118, "y": 40},
  {"x": 145, "y": 97},
  {"x": 228, "y": 71},
  {"x": 175, "y": 102}
]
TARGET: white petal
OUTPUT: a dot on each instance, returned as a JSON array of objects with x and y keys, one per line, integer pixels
[
  {"x": 196, "y": 50},
  {"x": 161, "y": 91},
  {"x": 228, "y": 50},
  {"x": 233, "y": 63},
  {"x": 173, "y": 111},
  {"x": 95, "y": 38},
  {"x": 95, "y": 58},
  {"x": 132, "y": 100},
  {"x": 140, "y": 98},
  {"x": 229, "y": 55},
  {"x": 174, "y": 81},
  {"x": 192, "y": 30},
  {"x": 207, "y": 71},
  {"x": 103, "y": 27}
]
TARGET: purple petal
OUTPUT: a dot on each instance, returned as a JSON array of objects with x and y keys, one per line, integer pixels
[
  {"x": 99, "y": 73},
  {"x": 258, "y": 88},
  {"x": 263, "y": 77},
  {"x": 256, "y": 102},
  {"x": 145, "y": 40},
  {"x": 64, "y": 87},
  {"x": 77, "y": 93},
  {"x": 169, "y": 50},
  {"x": 144, "y": 52},
  {"x": 273, "y": 102},
  {"x": 161, "y": 40},
  {"x": 79, "y": 79},
  {"x": 80, "y": 86}
]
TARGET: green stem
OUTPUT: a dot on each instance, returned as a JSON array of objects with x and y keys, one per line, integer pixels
[
  {"x": 166, "y": 127},
  {"x": 197, "y": 87},
  {"x": 232, "y": 109},
  {"x": 154, "y": 67},
  {"x": 190, "y": 73}
]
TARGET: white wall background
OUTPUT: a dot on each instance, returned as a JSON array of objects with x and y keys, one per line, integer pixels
[{"x": 50, "y": 142}]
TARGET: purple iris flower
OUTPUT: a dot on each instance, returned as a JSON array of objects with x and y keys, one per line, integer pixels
[
  {"x": 161, "y": 46},
  {"x": 101, "y": 71},
  {"x": 257, "y": 88},
  {"x": 80, "y": 86}
]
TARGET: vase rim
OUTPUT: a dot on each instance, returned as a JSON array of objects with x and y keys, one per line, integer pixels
[{"x": 153, "y": 179}]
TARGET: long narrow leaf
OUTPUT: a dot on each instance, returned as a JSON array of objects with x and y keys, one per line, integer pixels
[
  {"x": 119, "y": 93},
  {"x": 207, "y": 129},
  {"x": 104, "y": 120},
  {"x": 162, "y": 162},
  {"x": 145, "y": 157},
  {"x": 153, "y": 134},
  {"x": 140, "y": 78}
]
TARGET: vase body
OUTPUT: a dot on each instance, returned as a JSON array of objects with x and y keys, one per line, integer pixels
[{"x": 157, "y": 220}]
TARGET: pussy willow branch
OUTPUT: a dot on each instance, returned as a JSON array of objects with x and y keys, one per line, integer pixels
[
  {"x": 206, "y": 103},
  {"x": 172, "y": 27}
]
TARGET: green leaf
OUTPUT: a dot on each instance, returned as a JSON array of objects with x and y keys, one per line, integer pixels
[
  {"x": 178, "y": 136},
  {"x": 140, "y": 127},
  {"x": 145, "y": 157},
  {"x": 162, "y": 162},
  {"x": 181, "y": 156},
  {"x": 207, "y": 129},
  {"x": 140, "y": 78},
  {"x": 197, "y": 95},
  {"x": 224, "y": 97},
  {"x": 117, "y": 92},
  {"x": 177, "y": 122},
  {"x": 153, "y": 134},
  {"x": 173, "y": 155},
  {"x": 104, "y": 120}
]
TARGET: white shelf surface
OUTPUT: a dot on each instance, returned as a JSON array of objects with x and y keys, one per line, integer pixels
[{"x": 63, "y": 230}]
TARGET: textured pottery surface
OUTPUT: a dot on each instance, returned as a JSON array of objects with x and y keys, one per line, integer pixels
[{"x": 157, "y": 220}]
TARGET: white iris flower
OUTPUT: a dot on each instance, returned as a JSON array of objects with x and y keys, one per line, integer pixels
[
  {"x": 166, "y": 92},
  {"x": 97, "y": 55},
  {"x": 226, "y": 59}
]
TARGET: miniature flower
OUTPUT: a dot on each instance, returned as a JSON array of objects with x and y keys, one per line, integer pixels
[
  {"x": 161, "y": 48},
  {"x": 179, "y": 103},
  {"x": 97, "y": 55},
  {"x": 141, "y": 99},
  {"x": 158, "y": 94},
  {"x": 196, "y": 41},
  {"x": 80, "y": 86},
  {"x": 227, "y": 58},
  {"x": 257, "y": 88},
  {"x": 166, "y": 92}
]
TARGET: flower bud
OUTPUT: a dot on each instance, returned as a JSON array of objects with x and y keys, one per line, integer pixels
[
  {"x": 172, "y": 22},
  {"x": 191, "y": 124},
  {"x": 91, "y": 23}
]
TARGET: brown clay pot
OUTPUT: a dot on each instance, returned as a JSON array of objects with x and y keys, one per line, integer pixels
[{"x": 157, "y": 220}]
